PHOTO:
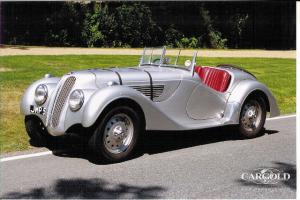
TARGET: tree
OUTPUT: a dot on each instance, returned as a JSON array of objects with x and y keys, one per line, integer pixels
[
  {"x": 99, "y": 26},
  {"x": 238, "y": 23},
  {"x": 63, "y": 26},
  {"x": 135, "y": 25},
  {"x": 209, "y": 37}
]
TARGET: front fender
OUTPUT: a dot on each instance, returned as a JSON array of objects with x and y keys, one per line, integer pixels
[
  {"x": 102, "y": 98},
  {"x": 28, "y": 96},
  {"x": 244, "y": 89}
]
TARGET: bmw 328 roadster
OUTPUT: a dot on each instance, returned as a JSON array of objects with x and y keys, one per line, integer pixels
[{"x": 116, "y": 105}]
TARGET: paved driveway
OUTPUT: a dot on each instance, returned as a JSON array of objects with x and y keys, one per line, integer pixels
[{"x": 198, "y": 164}]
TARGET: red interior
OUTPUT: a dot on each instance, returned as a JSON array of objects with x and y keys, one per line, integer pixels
[{"x": 215, "y": 78}]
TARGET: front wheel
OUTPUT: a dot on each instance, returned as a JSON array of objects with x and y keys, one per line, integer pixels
[
  {"x": 116, "y": 136},
  {"x": 252, "y": 117},
  {"x": 36, "y": 131}
]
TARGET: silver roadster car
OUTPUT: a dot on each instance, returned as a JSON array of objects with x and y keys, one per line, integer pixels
[{"x": 116, "y": 105}]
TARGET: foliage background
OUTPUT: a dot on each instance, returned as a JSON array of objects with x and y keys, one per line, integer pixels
[{"x": 266, "y": 25}]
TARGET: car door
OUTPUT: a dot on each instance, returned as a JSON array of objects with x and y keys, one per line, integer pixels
[{"x": 205, "y": 103}]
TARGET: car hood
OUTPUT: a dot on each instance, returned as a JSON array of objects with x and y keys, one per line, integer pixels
[
  {"x": 137, "y": 75},
  {"x": 85, "y": 79}
]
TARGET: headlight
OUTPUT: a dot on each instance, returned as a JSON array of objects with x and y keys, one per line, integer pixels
[
  {"x": 41, "y": 94},
  {"x": 76, "y": 100}
]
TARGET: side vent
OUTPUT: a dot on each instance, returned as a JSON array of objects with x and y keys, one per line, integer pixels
[
  {"x": 157, "y": 90},
  {"x": 146, "y": 90}
]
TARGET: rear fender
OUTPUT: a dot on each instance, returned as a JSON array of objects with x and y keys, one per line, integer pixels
[{"x": 239, "y": 95}]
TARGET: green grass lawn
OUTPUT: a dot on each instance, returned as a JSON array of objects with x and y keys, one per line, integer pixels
[{"x": 17, "y": 72}]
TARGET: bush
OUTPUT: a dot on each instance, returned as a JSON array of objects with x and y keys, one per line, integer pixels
[
  {"x": 58, "y": 38},
  {"x": 216, "y": 40},
  {"x": 193, "y": 43},
  {"x": 184, "y": 42},
  {"x": 187, "y": 42},
  {"x": 172, "y": 37}
]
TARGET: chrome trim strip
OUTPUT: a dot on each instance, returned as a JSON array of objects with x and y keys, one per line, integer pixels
[{"x": 151, "y": 84}]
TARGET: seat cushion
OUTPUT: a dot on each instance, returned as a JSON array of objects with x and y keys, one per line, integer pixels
[{"x": 215, "y": 78}]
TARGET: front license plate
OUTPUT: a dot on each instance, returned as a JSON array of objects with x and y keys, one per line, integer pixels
[{"x": 38, "y": 110}]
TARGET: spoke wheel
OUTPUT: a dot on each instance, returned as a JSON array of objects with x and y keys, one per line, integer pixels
[{"x": 252, "y": 117}]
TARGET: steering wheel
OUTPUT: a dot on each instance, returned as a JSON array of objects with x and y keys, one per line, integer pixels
[{"x": 156, "y": 61}]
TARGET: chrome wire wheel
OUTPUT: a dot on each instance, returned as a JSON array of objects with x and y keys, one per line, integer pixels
[
  {"x": 251, "y": 116},
  {"x": 118, "y": 133}
]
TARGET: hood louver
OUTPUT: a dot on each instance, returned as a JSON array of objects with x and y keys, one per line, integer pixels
[{"x": 146, "y": 90}]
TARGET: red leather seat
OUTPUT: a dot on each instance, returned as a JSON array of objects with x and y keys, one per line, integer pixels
[{"x": 215, "y": 78}]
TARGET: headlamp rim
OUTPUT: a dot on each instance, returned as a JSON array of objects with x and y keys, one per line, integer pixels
[
  {"x": 45, "y": 96},
  {"x": 78, "y": 106}
]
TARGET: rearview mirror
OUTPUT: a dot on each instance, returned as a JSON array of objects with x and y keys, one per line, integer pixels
[{"x": 187, "y": 63}]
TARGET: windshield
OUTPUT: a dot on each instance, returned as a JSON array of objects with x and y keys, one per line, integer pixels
[
  {"x": 170, "y": 58},
  {"x": 152, "y": 56}
]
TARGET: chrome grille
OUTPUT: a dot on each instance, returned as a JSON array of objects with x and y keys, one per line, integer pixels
[
  {"x": 146, "y": 90},
  {"x": 61, "y": 100}
]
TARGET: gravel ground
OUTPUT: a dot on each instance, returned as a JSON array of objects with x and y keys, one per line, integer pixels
[{"x": 9, "y": 51}]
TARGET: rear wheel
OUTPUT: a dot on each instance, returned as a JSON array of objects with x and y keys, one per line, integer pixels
[
  {"x": 252, "y": 117},
  {"x": 116, "y": 136}
]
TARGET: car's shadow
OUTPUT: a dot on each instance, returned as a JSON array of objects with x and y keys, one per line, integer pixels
[
  {"x": 87, "y": 188},
  {"x": 153, "y": 142}
]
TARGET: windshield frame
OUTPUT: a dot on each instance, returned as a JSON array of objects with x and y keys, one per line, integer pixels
[{"x": 162, "y": 58}]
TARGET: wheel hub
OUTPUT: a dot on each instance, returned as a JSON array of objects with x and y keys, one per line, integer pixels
[
  {"x": 251, "y": 113},
  {"x": 118, "y": 133},
  {"x": 251, "y": 116}
]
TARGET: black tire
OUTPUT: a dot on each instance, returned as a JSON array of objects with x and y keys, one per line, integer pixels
[
  {"x": 37, "y": 131},
  {"x": 252, "y": 128},
  {"x": 98, "y": 144}
]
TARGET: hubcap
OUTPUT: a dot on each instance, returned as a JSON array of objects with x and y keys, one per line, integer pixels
[
  {"x": 118, "y": 133},
  {"x": 251, "y": 115}
]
